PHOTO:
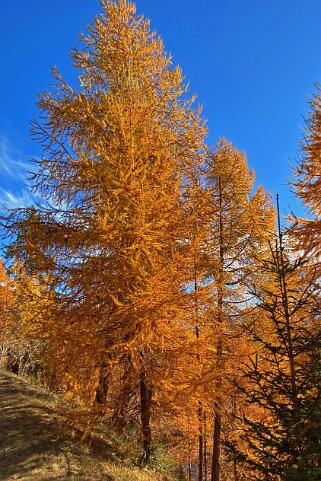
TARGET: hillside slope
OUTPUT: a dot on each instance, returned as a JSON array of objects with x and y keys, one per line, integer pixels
[{"x": 36, "y": 444}]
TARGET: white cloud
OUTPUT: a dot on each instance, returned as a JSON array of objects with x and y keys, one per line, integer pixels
[
  {"x": 14, "y": 167},
  {"x": 11, "y": 164},
  {"x": 13, "y": 200}
]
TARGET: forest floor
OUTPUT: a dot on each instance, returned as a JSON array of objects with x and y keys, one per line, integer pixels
[{"x": 36, "y": 443}]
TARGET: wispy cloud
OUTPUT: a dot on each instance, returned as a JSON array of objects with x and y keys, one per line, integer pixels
[
  {"x": 13, "y": 200},
  {"x": 14, "y": 166},
  {"x": 11, "y": 163}
]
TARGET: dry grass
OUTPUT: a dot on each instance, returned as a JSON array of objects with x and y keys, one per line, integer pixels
[{"x": 36, "y": 444}]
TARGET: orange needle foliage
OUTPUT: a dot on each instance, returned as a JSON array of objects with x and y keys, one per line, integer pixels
[
  {"x": 239, "y": 224},
  {"x": 308, "y": 181},
  {"x": 117, "y": 152},
  {"x": 6, "y": 313}
]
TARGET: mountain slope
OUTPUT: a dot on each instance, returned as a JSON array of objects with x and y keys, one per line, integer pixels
[{"x": 36, "y": 443}]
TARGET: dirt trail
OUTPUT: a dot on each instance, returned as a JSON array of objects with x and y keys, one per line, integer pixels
[{"x": 34, "y": 446}]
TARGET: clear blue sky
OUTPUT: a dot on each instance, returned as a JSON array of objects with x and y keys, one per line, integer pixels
[{"x": 252, "y": 62}]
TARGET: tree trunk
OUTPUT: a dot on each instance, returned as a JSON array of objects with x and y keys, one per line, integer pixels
[
  {"x": 288, "y": 325},
  {"x": 145, "y": 415},
  {"x": 200, "y": 409},
  {"x": 102, "y": 387},
  {"x": 235, "y": 470},
  {"x": 217, "y": 425},
  {"x": 200, "y": 442},
  {"x": 220, "y": 295},
  {"x": 189, "y": 456},
  {"x": 205, "y": 447}
]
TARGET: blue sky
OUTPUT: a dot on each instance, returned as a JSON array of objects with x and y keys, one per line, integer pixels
[{"x": 252, "y": 62}]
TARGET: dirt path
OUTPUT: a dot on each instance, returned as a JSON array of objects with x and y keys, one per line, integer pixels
[
  {"x": 34, "y": 446},
  {"x": 36, "y": 442}
]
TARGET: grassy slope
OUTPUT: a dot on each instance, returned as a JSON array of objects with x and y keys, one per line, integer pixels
[{"x": 36, "y": 443}]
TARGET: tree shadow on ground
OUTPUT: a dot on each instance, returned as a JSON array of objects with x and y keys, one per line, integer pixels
[{"x": 34, "y": 443}]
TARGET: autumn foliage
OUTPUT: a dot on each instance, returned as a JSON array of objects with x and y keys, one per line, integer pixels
[{"x": 151, "y": 283}]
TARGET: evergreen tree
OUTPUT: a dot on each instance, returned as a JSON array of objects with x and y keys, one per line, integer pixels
[{"x": 281, "y": 382}]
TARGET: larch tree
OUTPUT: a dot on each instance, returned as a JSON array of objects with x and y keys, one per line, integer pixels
[
  {"x": 238, "y": 225},
  {"x": 307, "y": 182},
  {"x": 195, "y": 202},
  {"x": 31, "y": 309},
  {"x": 110, "y": 230},
  {"x": 6, "y": 313}
]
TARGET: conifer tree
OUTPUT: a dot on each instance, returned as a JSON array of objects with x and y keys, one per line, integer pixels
[
  {"x": 307, "y": 183},
  {"x": 111, "y": 230},
  {"x": 6, "y": 313},
  {"x": 196, "y": 202},
  {"x": 281, "y": 383},
  {"x": 238, "y": 224},
  {"x": 32, "y": 300}
]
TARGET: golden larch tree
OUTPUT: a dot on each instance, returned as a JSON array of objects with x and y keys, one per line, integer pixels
[
  {"x": 6, "y": 313},
  {"x": 110, "y": 232},
  {"x": 239, "y": 224},
  {"x": 307, "y": 182}
]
